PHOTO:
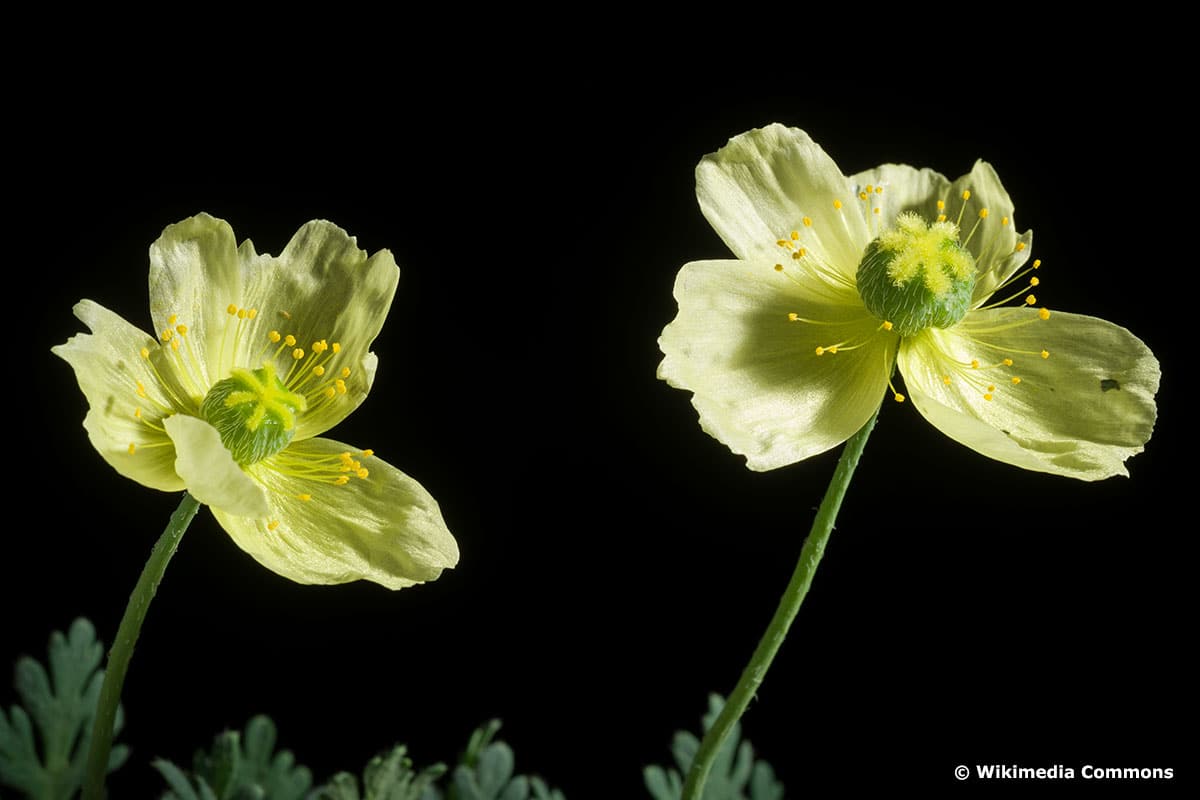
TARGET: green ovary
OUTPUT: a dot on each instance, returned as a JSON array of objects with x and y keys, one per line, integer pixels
[
  {"x": 917, "y": 276},
  {"x": 254, "y": 413}
]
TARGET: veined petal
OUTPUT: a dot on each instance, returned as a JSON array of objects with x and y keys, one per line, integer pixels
[
  {"x": 993, "y": 240},
  {"x": 383, "y": 527},
  {"x": 122, "y": 390},
  {"x": 768, "y": 182},
  {"x": 896, "y": 188},
  {"x": 209, "y": 471},
  {"x": 1080, "y": 412},
  {"x": 758, "y": 383}
]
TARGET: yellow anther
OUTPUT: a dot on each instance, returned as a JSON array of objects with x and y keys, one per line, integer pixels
[
  {"x": 781, "y": 242},
  {"x": 175, "y": 344},
  {"x": 341, "y": 480},
  {"x": 251, "y": 313},
  {"x": 1044, "y": 313},
  {"x": 799, "y": 254},
  {"x": 1030, "y": 299},
  {"x": 820, "y": 351},
  {"x": 329, "y": 392},
  {"x": 941, "y": 218},
  {"x": 341, "y": 385},
  {"x": 807, "y": 223},
  {"x": 870, "y": 188},
  {"x": 362, "y": 472},
  {"x": 946, "y": 379},
  {"x": 145, "y": 352},
  {"x": 833, "y": 349},
  {"x": 289, "y": 340},
  {"x": 137, "y": 412},
  {"x": 878, "y": 190},
  {"x": 966, "y": 195},
  {"x": 796, "y": 235},
  {"x": 974, "y": 363},
  {"x": 793, "y": 316},
  {"x": 231, "y": 308},
  {"x": 1007, "y": 362},
  {"x": 337, "y": 348},
  {"x": 241, "y": 313},
  {"x": 318, "y": 370},
  {"x": 779, "y": 267},
  {"x": 941, "y": 204},
  {"x": 182, "y": 329},
  {"x": 298, "y": 353},
  {"x": 304, "y": 497},
  {"x": 132, "y": 448},
  {"x": 367, "y": 453},
  {"x": 274, "y": 337},
  {"x": 837, "y": 204},
  {"x": 987, "y": 397},
  {"x": 983, "y": 213},
  {"x": 141, "y": 389},
  {"x": 171, "y": 320},
  {"x": 862, "y": 195},
  {"x": 1037, "y": 262},
  {"x": 345, "y": 372},
  {"x": 1045, "y": 354},
  {"x": 1015, "y": 380},
  {"x": 319, "y": 347},
  {"x": 273, "y": 524},
  {"x": 1004, "y": 220},
  {"x": 992, "y": 388},
  {"x": 899, "y": 398},
  {"x": 166, "y": 335},
  {"x": 1020, "y": 246},
  {"x": 878, "y": 210},
  {"x": 1034, "y": 281},
  {"x": 887, "y": 326}
]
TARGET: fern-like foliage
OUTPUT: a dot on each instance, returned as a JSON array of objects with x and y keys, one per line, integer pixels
[
  {"x": 386, "y": 777},
  {"x": 240, "y": 766},
  {"x": 44, "y": 741},
  {"x": 486, "y": 772},
  {"x": 735, "y": 774}
]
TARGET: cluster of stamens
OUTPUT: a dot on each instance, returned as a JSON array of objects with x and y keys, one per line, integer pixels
[{"x": 980, "y": 376}]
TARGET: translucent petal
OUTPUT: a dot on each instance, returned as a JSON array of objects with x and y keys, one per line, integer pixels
[
  {"x": 896, "y": 188},
  {"x": 1081, "y": 412},
  {"x": 758, "y": 384},
  {"x": 765, "y": 183},
  {"x": 209, "y": 471},
  {"x": 993, "y": 240},
  {"x": 385, "y": 528},
  {"x": 109, "y": 368}
]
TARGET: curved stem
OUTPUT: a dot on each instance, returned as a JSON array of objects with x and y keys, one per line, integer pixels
[
  {"x": 789, "y": 605},
  {"x": 122, "y": 649}
]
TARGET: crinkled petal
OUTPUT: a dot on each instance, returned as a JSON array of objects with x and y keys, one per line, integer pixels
[
  {"x": 384, "y": 528},
  {"x": 764, "y": 184},
  {"x": 110, "y": 369},
  {"x": 209, "y": 471},
  {"x": 1081, "y": 412},
  {"x": 758, "y": 384},
  {"x": 322, "y": 288}
]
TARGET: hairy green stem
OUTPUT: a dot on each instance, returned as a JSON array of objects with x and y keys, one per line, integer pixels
[
  {"x": 122, "y": 649},
  {"x": 789, "y": 605}
]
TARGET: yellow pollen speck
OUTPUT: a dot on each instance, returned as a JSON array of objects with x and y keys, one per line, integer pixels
[
  {"x": 367, "y": 453},
  {"x": 132, "y": 448},
  {"x": 329, "y": 392},
  {"x": 1020, "y": 246},
  {"x": 362, "y": 472},
  {"x": 1034, "y": 281},
  {"x": 837, "y": 204},
  {"x": 318, "y": 370},
  {"x": 251, "y": 313},
  {"x": 1015, "y": 380},
  {"x": 807, "y": 223},
  {"x": 289, "y": 340},
  {"x": 974, "y": 363},
  {"x": 820, "y": 351},
  {"x": 337, "y": 348},
  {"x": 341, "y": 385},
  {"x": 1004, "y": 220},
  {"x": 342, "y": 480},
  {"x": 1007, "y": 362},
  {"x": 171, "y": 320},
  {"x": 899, "y": 398},
  {"x": 304, "y": 497},
  {"x": 946, "y": 379},
  {"x": 941, "y": 204},
  {"x": 1030, "y": 299},
  {"x": 1044, "y": 313},
  {"x": 983, "y": 213},
  {"x": 795, "y": 236},
  {"x": 241, "y": 314},
  {"x": 793, "y": 316},
  {"x": 231, "y": 309},
  {"x": 145, "y": 352},
  {"x": 966, "y": 195},
  {"x": 274, "y": 337},
  {"x": 779, "y": 267},
  {"x": 345, "y": 372},
  {"x": 887, "y": 326},
  {"x": 273, "y": 524},
  {"x": 1045, "y": 354},
  {"x": 987, "y": 397},
  {"x": 1037, "y": 262}
]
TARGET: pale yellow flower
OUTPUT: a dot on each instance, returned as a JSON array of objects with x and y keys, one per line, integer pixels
[
  {"x": 253, "y": 357},
  {"x": 839, "y": 280}
]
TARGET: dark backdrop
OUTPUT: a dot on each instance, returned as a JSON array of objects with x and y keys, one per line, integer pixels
[{"x": 617, "y": 563}]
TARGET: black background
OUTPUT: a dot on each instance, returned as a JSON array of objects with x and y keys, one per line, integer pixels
[{"x": 617, "y": 563}]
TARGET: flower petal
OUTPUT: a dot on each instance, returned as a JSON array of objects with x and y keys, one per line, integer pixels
[
  {"x": 758, "y": 384},
  {"x": 109, "y": 369},
  {"x": 384, "y": 528},
  {"x": 765, "y": 183},
  {"x": 209, "y": 471},
  {"x": 1081, "y": 412},
  {"x": 896, "y": 188},
  {"x": 998, "y": 249}
]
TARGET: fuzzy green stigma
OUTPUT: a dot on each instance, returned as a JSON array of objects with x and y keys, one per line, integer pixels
[
  {"x": 254, "y": 413},
  {"x": 917, "y": 276}
]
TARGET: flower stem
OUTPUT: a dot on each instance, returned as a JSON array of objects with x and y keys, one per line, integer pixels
[
  {"x": 789, "y": 605},
  {"x": 122, "y": 649}
]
